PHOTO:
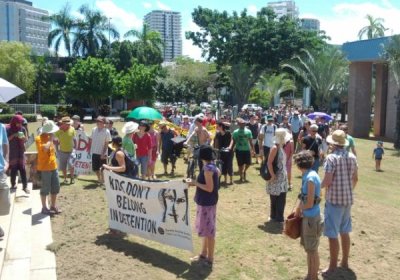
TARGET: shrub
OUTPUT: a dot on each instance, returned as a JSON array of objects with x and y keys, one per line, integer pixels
[
  {"x": 62, "y": 111},
  {"x": 6, "y": 118},
  {"x": 6, "y": 109},
  {"x": 124, "y": 114},
  {"x": 104, "y": 110},
  {"x": 48, "y": 111},
  {"x": 76, "y": 110}
]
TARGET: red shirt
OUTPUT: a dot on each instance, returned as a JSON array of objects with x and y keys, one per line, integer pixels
[
  {"x": 207, "y": 120},
  {"x": 143, "y": 144}
]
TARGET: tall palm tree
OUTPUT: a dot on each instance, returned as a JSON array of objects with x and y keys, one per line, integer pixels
[
  {"x": 392, "y": 50},
  {"x": 275, "y": 85},
  {"x": 150, "y": 44},
  {"x": 91, "y": 32},
  {"x": 322, "y": 70},
  {"x": 374, "y": 29},
  {"x": 64, "y": 25}
]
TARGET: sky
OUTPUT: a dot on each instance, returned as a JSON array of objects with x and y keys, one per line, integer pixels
[{"x": 340, "y": 19}]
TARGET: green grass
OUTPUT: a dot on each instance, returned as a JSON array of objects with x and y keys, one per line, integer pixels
[{"x": 246, "y": 247}]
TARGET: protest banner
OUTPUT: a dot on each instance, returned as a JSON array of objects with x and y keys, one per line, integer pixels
[
  {"x": 81, "y": 158},
  {"x": 156, "y": 211}
]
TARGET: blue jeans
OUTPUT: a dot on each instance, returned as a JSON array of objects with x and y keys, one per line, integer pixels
[
  {"x": 143, "y": 161},
  {"x": 315, "y": 166}
]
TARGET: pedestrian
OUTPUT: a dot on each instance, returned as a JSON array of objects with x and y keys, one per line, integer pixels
[
  {"x": 313, "y": 142},
  {"x": 77, "y": 125},
  {"x": 99, "y": 147},
  {"x": 295, "y": 124},
  {"x": 199, "y": 136},
  {"x": 111, "y": 128},
  {"x": 266, "y": 136},
  {"x": 166, "y": 147},
  {"x": 378, "y": 155},
  {"x": 254, "y": 127},
  {"x": 143, "y": 143},
  {"x": 65, "y": 141},
  {"x": 154, "y": 135},
  {"x": 16, "y": 133},
  {"x": 242, "y": 142},
  {"x": 352, "y": 146},
  {"x": 127, "y": 143},
  {"x": 47, "y": 165},
  {"x": 277, "y": 186},
  {"x": 308, "y": 208},
  {"x": 222, "y": 141},
  {"x": 206, "y": 198},
  {"x": 4, "y": 155},
  {"x": 341, "y": 176}
]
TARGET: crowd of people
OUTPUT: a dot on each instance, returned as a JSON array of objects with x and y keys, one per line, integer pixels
[{"x": 274, "y": 137}]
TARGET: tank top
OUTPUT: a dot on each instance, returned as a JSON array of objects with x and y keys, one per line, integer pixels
[{"x": 203, "y": 197}]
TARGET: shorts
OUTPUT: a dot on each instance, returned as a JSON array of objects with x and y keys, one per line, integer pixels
[
  {"x": 337, "y": 220},
  {"x": 97, "y": 162},
  {"x": 378, "y": 158},
  {"x": 243, "y": 157},
  {"x": 50, "y": 182},
  {"x": 168, "y": 154},
  {"x": 63, "y": 160},
  {"x": 206, "y": 220},
  {"x": 311, "y": 229}
]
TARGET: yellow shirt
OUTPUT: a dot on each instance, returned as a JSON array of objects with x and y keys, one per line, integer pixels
[
  {"x": 66, "y": 139},
  {"x": 46, "y": 160}
]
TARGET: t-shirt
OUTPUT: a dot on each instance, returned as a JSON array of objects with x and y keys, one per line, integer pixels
[
  {"x": 351, "y": 143},
  {"x": 66, "y": 139},
  {"x": 312, "y": 144},
  {"x": 46, "y": 159},
  {"x": 269, "y": 132},
  {"x": 143, "y": 144},
  {"x": 296, "y": 124},
  {"x": 378, "y": 152},
  {"x": 100, "y": 138},
  {"x": 223, "y": 141},
  {"x": 254, "y": 129},
  {"x": 4, "y": 141},
  {"x": 128, "y": 146},
  {"x": 311, "y": 176},
  {"x": 241, "y": 138}
]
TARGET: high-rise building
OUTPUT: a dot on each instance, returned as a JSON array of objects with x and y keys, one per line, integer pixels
[
  {"x": 310, "y": 24},
  {"x": 168, "y": 24},
  {"x": 20, "y": 21},
  {"x": 284, "y": 8}
]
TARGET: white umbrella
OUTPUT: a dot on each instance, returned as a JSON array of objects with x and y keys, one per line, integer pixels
[{"x": 8, "y": 91}]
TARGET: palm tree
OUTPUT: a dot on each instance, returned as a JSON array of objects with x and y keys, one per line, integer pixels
[
  {"x": 150, "y": 44},
  {"x": 392, "y": 50},
  {"x": 275, "y": 85},
  {"x": 322, "y": 70},
  {"x": 374, "y": 29},
  {"x": 63, "y": 24},
  {"x": 91, "y": 32}
]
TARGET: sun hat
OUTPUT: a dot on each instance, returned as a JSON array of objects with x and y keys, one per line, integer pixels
[
  {"x": 129, "y": 127},
  {"x": 49, "y": 127},
  {"x": 338, "y": 138},
  {"x": 206, "y": 152},
  {"x": 280, "y": 136}
]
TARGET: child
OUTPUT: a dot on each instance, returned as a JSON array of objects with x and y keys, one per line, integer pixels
[
  {"x": 378, "y": 154},
  {"x": 308, "y": 207},
  {"x": 47, "y": 165}
]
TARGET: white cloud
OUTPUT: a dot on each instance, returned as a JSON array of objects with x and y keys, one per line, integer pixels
[
  {"x": 252, "y": 9},
  {"x": 347, "y": 20},
  {"x": 147, "y": 5},
  {"x": 187, "y": 47},
  {"x": 162, "y": 6},
  {"x": 122, "y": 19}
]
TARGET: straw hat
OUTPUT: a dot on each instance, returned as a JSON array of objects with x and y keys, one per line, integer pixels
[
  {"x": 280, "y": 136},
  {"x": 129, "y": 127},
  {"x": 49, "y": 127},
  {"x": 338, "y": 138}
]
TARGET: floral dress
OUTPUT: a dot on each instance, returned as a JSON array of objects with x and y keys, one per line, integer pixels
[{"x": 280, "y": 184}]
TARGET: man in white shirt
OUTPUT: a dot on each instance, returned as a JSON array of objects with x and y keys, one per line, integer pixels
[
  {"x": 101, "y": 137},
  {"x": 266, "y": 136}
]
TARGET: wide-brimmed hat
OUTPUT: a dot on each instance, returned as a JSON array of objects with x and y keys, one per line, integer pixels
[
  {"x": 280, "y": 136},
  {"x": 49, "y": 127},
  {"x": 129, "y": 127},
  {"x": 338, "y": 138},
  {"x": 206, "y": 152}
]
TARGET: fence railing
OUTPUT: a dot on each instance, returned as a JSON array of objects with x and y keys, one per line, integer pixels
[{"x": 31, "y": 108}]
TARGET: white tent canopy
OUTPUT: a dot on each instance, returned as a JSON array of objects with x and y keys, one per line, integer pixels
[{"x": 8, "y": 91}]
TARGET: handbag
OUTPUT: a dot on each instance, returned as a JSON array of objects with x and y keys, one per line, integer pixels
[
  {"x": 292, "y": 226},
  {"x": 264, "y": 171}
]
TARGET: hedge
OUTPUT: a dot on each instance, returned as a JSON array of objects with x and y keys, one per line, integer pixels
[
  {"x": 49, "y": 111},
  {"x": 6, "y": 118},
  {"x": 124, "y": 114}
]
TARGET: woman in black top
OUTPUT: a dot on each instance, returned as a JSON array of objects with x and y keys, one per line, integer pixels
[
  {"x": 222, "y": 141},
  {"x": 118, "y": 163}
]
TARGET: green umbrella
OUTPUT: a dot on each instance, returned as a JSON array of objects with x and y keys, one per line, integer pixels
[{"x": 145, "y": 113}]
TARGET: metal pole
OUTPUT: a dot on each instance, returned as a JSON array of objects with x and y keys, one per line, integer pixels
[{"x": 109, "y": 35}]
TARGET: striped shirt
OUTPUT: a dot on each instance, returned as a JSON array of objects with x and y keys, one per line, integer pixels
[{"x": 343, "y": 165}]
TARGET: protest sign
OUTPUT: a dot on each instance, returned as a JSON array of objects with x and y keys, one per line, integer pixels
[
  {"x": 156, "y": 211},
  {"x": 81, "y": 158}
]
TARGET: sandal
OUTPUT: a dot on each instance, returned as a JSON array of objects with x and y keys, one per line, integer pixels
[
  {"x": 198, "y": 258},
  {"x": 26, "y": 190},
  {"x": 72, "y": 181},
  {"x": 46, "y": 211},
  {"x": 55, "y": 210}
]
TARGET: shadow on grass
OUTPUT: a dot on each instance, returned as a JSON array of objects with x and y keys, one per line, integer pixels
[
  {"x": 91, "y": 186},
  {"x": 154, "y": 257},
  {"x": 88, "y": 180},
  {"x": 272, "y": 227},
  {"x": 340, "y": 273}
]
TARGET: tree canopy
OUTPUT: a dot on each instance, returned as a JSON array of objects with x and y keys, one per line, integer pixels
[{"x": 374, "y": 29}]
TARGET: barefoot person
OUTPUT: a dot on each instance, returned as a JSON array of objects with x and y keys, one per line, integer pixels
[
  {"x": 206, "y": 198},
  {"x": 308, "y": 207},
  {"x": 47, "y": 165},
  {"x": 340, "y": 179}
]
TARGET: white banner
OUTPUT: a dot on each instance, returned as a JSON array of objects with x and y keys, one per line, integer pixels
[
  {"x": 157, "y": 211},
  {"x": 82, "y": 160}
]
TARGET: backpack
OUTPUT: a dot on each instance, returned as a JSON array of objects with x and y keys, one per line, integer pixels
[
  {"x": 264, "y": 171},
  {"x": 265, "y": 129}
]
